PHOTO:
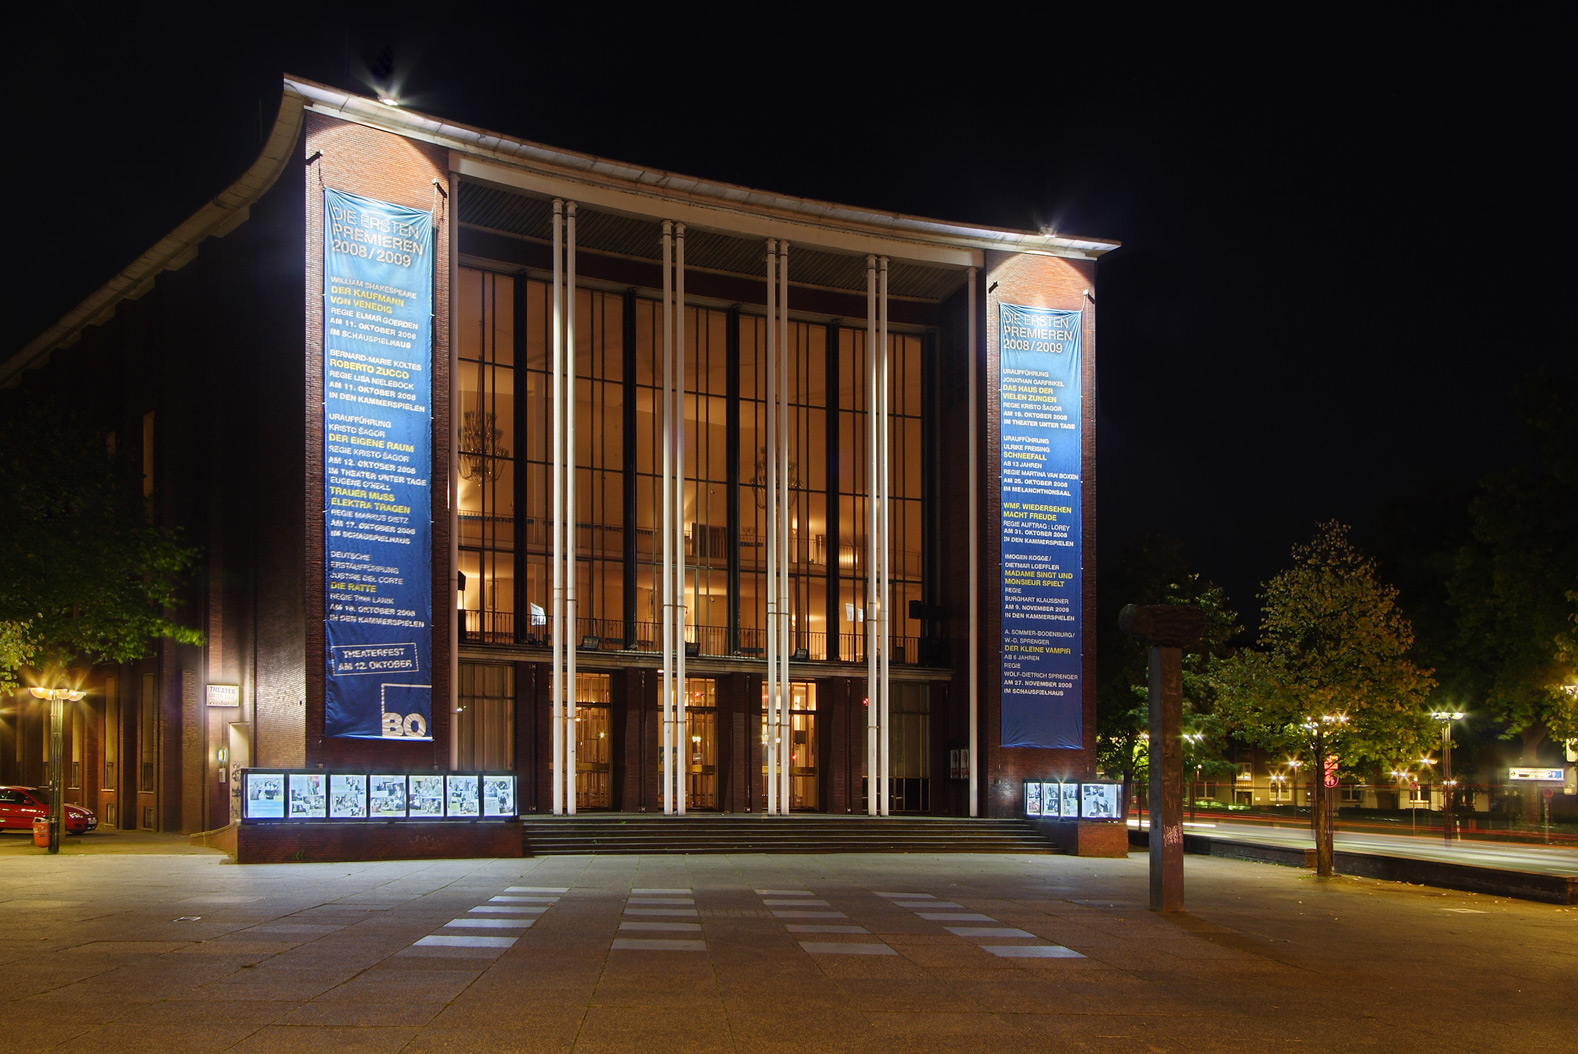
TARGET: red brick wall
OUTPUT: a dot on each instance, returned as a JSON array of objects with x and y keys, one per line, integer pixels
[
  {"x": 1037, "y": 281},
  {"x": 375, "y": 164},
  {"x": 280, "y": 843}
]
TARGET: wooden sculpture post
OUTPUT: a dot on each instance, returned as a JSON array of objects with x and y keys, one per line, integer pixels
[{"x": 1166, "y": 630}]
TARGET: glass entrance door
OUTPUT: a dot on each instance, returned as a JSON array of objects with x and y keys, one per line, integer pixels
[
  {"x": 593, "y": 773},
  {"x": 803, "y": 792},
  {"x": 701, "y": 784},
  {"x": 697, "y": 749}
]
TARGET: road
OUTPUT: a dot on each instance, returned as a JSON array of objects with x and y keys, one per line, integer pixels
[{"x": 1539, "y": 859}]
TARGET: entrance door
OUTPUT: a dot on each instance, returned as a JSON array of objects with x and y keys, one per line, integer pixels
[
  {"x": 701, "y": 784},
  {"x": 593, "y": 773},
  {"x": 803, "y": 792}
]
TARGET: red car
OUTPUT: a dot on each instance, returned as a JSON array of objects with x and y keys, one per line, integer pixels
[{"x": 20, "y": 806}]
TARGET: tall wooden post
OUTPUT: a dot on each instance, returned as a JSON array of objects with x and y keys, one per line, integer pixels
[{"x": 1167, "y": 630}]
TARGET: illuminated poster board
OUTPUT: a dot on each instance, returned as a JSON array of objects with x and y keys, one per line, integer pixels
[
  {"x": 498, "y": 795},
  {"x": 308, "y": 797},
  {"x": 1051, "y": 799},
  {"x": 265, "y": 795},
  {"x": 425, "y": 797},
  {"x": 460, "y": 797},
  {"x": 1032, "y": 798},
  {"x": 1070, "y": 807},
  {"x": 348, "y": 796},
  {"x": 377, "y": 453},
  {"x": 386, "y": 797},
  {"x": 1100, "y": 801}
]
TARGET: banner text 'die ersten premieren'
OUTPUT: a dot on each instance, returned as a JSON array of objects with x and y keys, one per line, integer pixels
[
  {"x": 1039, "y": 397},
  {"x": 377, "y": 453}
]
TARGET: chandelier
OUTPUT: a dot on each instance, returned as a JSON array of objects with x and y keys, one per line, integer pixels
[
  {"x": 479, "y": 446},
  {"x": 760, "y": 481}
]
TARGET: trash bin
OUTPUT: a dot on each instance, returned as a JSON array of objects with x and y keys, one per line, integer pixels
[{"x": 41, "y": 833}]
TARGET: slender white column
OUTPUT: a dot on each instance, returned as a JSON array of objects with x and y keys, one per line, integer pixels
[
  {"x": 454, "y": 472},
  {"x": 682, "y": 722},
  {"x": 770, "y": 745},
  {"x": 885, "y": 551},
  {"x": 572, "y": 638},
  {"x": 667, "y": 766},
  {"x": 785, "y": 550},
  {"x": 557, "y": 503},
  {"x": 873, "y": 696},
  {"x": 975, "y": 640}
]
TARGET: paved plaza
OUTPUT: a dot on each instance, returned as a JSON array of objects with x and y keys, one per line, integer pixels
[{"x": 139, "y": 949}]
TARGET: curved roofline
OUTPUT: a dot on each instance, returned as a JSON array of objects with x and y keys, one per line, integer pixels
[
  {"x": 231, "y": 207},
  {"x": 223, "y": 214},
  {"x": 557, "y": 163}
]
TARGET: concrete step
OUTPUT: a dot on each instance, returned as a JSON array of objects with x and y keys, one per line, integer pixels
[{"x": 644, "y": 833}]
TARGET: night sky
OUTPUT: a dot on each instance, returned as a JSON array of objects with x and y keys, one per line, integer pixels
[{"x": 1343, "y": 237}]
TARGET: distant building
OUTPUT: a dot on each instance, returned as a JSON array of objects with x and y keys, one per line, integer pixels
[{"x": 341, "y": 376}]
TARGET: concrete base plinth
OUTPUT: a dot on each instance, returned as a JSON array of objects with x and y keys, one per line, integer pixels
[{"x": 1092, "y": 838}]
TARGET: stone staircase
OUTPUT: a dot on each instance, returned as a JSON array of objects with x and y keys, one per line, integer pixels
[{"x": 627, "y": 833}]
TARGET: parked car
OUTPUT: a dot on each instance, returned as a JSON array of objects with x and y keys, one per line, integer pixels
[{"x": 20, "y": 806}]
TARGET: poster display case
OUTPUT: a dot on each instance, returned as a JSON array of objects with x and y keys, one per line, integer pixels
[
  {"x": 304, "y": 797},
  {"x": 1074, "y": 799}
]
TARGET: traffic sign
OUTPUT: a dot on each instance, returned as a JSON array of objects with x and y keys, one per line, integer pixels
[
  {"x": 1331, "y": 771},
  {"x": 1550, "y": 792}
]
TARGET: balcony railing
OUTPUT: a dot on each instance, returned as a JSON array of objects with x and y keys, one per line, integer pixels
[{"x": 592, "y": 634}]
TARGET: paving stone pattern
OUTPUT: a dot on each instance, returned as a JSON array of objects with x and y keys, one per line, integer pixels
[{"x": 851, "y": 952}]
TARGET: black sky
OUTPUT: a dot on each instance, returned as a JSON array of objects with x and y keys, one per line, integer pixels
[{"x": 1344, "y": 234}]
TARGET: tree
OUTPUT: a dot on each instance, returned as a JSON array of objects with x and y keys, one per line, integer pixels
[
  {"x": 1510, "y": 585},
  {"x": 1563, "y": 709},
  {"x": 1330, "y": 674},
  {"x": 85, "y": 577},
  {"x": 1151, "y": 570},
  {"x": 17, "y": 648}
]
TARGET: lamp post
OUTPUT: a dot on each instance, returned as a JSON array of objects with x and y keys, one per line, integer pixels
[
  {"x": 58, "y": 697},
  {"x": 1448, "y": 784},
  {"x": 1193, "y": 739}
]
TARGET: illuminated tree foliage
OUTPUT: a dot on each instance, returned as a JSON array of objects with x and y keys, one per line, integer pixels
[
  {"x": 1330, "y": 673},
  {"x": 1511, "y": 586},
  {"x": 84, "y": 576}
]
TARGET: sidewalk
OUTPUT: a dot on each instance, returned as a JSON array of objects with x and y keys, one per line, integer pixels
[
  {"x": 846, "y": 952},
  {"x": 105, "y": 841}
]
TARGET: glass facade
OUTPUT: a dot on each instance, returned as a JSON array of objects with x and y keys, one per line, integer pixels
[{"x": 505, "y": 452}]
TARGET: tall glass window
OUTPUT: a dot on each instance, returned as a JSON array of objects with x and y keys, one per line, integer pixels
[
  {"x": 599, "y": 461},
  {"x": 808, "y": 544},
  {"x": 486, "y": 417},
  {"x": 485, "y": 725},
  {"x": 706, "y": 523},
  {"x": 905, "y": 489}
]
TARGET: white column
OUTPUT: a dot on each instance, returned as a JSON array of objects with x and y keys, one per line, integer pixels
[
  {"x": 454, "y": 475},
  {"x": 572, "y": 638},
  {"x": 785, "y": 551},
  {"x": 681, "y": 723},
  {"x": 885, "y": 551},
  {"x": 770, "y": 744},
  {"x": 556, "y": 629},
  {"x": 975, "y": 640},
  {"x": 667, "y": 766},
  {"x": 869, "y": 625}
]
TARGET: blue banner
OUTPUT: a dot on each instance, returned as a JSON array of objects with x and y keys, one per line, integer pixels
[
  {"x": 377, "y": 455},
  {"x": 1039, "y": 400}
]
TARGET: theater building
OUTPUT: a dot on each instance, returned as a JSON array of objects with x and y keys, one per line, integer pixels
[{"x": 665, "y": 495}]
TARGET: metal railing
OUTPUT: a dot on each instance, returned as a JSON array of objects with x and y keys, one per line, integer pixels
[{"x": 594, "y": 634}]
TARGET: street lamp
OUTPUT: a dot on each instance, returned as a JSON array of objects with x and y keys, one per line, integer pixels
[
  {"x": 58, "y": 697},
  {"x": 1448, "y": 784},
  {"x": 1193, "y": 738}
]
